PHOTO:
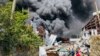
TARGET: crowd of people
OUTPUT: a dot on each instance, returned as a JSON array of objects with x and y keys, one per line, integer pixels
[{"x": 70, "y": 52}]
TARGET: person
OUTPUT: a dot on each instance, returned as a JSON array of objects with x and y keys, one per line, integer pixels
[
  {"x": 43, "y": 33},
  {"x": 72, "y": 53},
  {"x": 78, "y": 52}
]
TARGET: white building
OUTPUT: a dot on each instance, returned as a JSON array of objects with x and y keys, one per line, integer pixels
[
  {"x": 93, "y": 26},
  {"x": 86, "y": 34}
]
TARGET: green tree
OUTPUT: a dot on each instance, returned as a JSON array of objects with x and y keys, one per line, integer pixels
[{"x": 13, "y": 32}]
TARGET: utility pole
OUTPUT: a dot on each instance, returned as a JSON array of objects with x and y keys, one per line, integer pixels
[
  {"x": 13, "y": 8},
  {"x": 97, "y": 11}
]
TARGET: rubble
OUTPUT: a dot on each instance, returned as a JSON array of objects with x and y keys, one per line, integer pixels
[{"x": 95, "y": 46}]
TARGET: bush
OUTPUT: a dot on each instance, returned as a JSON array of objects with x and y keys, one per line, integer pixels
[
  {"x": 14, "y": 33},
  {"x": 95, "y": 46}
]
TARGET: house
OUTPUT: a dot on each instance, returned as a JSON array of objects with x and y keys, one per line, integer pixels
[{"x": 93, "y": 26}]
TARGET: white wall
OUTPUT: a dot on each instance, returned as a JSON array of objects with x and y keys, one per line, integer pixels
[{"x": 87, "y": 33}]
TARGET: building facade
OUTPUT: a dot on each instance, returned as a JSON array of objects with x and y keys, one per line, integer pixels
[{"x": 93, "y": 26}]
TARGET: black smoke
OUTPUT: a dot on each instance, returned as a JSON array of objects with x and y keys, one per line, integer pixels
[
  {"x": 3, "y": 2},
  {"x": 82, "y": 8},
  {"x": 63, "y": 17},
  {"x": 22, "y": 4}
]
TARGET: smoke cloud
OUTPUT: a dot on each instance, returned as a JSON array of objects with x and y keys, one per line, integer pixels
[
  {"x": 3, "y": 1},
  {"x": 98, "y": 4},
  {"x": 63, "y": 17}
]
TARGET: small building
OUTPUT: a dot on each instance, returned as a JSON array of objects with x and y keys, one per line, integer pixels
[{"x": 92, "y": 27}]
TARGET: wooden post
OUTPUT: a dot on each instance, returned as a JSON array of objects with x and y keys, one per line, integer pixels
[
  {"x": 13, "y": 8},
  {"x": 28, "y": 12}
]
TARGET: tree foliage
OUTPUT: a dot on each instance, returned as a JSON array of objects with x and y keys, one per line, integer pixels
[{"x": 14, "y": 32}]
